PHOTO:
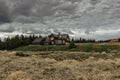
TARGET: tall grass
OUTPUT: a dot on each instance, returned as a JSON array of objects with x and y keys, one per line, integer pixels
[{"x": 59, "y": 65}]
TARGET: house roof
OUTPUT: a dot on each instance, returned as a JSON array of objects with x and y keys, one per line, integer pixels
[
  {"x": 38, "y": 40},
  {"x": 47, "y": 39},
  {"x": 59, "y": 36},
  {"x": 64, "y": 36}
]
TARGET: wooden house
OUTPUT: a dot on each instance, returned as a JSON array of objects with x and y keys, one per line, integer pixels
[
  {"x": 59, "y": 39},
  {"x": 54, "y": 39}
]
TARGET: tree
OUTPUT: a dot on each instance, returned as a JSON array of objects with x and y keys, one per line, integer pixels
[
  {"x": 72, "y": 44},
  {"x": 17, "y": 41}
]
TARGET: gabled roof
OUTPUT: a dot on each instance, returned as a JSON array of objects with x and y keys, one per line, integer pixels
[
  {"x": 64, "y": 36},
  {"x": 59, "y": 36}
]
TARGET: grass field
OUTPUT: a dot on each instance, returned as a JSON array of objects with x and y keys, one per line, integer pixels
[
  {"x": 88, "y": 61},
  {"x": 82, "y": 47},
  {"x": 59, "y": 65}
]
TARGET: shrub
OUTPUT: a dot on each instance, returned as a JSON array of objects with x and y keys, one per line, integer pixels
[
  {"x": 20, "y": 54},
  {"x": 72, "y": 45}
]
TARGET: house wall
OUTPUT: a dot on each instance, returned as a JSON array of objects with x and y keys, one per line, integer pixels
[
  {"x": 59, "y": 42},
  {"x": 52, "y": 38},
  {"x": 52, "y": 42}
]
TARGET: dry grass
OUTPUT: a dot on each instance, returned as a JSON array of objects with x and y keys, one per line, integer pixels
[
  {"x": 18, "y": 75},
  {"x": 59, "y": 66}
]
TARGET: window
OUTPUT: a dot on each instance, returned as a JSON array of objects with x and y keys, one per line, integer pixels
[{"x": 58, "y": 41}]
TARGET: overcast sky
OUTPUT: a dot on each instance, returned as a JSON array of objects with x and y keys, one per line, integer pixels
[{"x": 99, "y": 19}]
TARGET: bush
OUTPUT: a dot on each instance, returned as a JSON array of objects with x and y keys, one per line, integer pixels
[
  {"x": 20, "y": 54},
  {"x": 72, "y": 45}
]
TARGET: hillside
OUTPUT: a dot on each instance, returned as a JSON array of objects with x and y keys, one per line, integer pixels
[{"x": 59, "y": 65}]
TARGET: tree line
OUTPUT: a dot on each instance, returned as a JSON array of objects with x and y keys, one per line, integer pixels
[
  {"x": 17, "y": 41},
  {"x": 83, "y": 40}
]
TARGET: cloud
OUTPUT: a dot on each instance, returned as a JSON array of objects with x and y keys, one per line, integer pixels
[
  {"x": 4, "y": 14},
  {"x": 37, "y": 10},
  {"x": 75, "y": 17}
]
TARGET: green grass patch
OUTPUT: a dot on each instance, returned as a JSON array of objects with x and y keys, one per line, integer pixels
[
  {"x": 98, "y": 47},
  {"x": 41, "y": 48},
  {"x": 84, "y": 47}
]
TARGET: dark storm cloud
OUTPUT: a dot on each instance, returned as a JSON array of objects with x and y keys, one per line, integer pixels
[
  {"x": 4, "y": 13},
  {"x": 37, "y": 10},
  {"x": 23, "y": 7},
  {"x": 28, "y": 11},
  {"x": 93, "y": 2}
]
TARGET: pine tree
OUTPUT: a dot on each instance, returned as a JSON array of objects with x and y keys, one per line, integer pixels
[{"x": 72, "y": 44}]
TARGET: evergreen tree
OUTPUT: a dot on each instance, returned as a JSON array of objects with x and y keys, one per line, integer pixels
[
  {"x": 72, "y": 44},
  {"x": 17, "y": 41}
]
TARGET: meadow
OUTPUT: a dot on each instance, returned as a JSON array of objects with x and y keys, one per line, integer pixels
[
  {"x": 59, "y": 65},
  {"x": 86, "y": 61},
  {"x": 82, "y": 47}
]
